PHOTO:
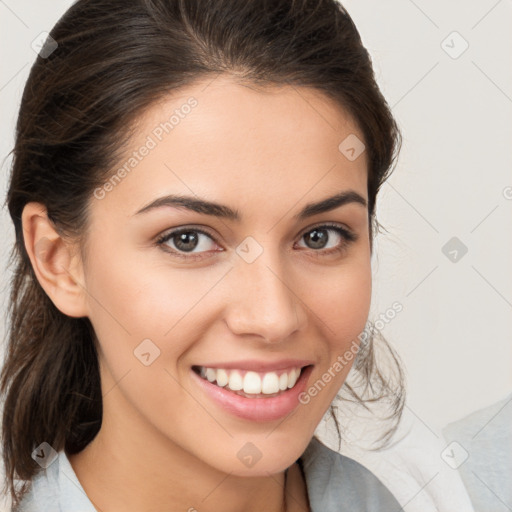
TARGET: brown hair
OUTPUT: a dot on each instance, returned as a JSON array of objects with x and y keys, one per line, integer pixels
[{"x": 114, "y": 59}]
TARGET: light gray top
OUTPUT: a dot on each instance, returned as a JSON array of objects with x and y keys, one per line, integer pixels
[
  {"x": 335, "y": 483},
  {"x": 485, "y": 441}
]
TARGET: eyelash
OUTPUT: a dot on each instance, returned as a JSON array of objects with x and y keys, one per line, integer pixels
[{"x": 345, "y": 234}]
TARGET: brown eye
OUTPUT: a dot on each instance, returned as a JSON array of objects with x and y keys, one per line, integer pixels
[
  {"x": 185, "y": 241},
  {"x": 327, "y": 237},
  {"x": 317, "y": 238},
  {"x": 191, "y": 241}
]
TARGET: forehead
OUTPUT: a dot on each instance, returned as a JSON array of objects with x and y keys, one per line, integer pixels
[{"x": 240, "y": 145}]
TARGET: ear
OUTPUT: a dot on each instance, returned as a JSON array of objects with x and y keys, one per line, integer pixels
[{"x": 57, "y": 266}]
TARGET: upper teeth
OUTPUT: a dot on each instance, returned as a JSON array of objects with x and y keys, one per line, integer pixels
[{"x": 252, "y": 382}]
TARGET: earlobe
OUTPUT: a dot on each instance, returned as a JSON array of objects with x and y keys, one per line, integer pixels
[{"x": 57, "y": 267}]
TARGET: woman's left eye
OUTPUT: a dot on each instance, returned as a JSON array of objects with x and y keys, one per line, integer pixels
[{"x": 328, "y": 237}]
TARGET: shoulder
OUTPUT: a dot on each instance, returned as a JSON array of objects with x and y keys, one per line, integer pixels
[
  {"x": 56, "y": 489},
  {"x": 337, "y": 483},
  {"x": 491, "y": 422},
  {"x": 480, "y": 445},
  {"x": 481, "y": 437}
]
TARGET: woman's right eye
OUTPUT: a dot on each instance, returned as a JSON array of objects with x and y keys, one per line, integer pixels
[{"x": 188, "y": 241}]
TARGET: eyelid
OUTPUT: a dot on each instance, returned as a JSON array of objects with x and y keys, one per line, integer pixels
[
  {"x": 186, "y": 227},
  {"x": 183, "y": 229},
  {"x": 346, "y": 231}
]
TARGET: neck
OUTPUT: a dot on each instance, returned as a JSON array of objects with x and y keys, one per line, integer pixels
[{"x": 127, "y": 468}]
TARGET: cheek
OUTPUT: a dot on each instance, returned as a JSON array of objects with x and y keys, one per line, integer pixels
[
  {"x": 131, "y": 301},
  {"x": 146, "y": 319},
  {"x": 343, "y": 303},
  {"x": 126, "y": 290},
  {"x": 342, "y": 306}
]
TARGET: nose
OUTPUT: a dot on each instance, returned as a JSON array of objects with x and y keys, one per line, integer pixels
[{"x": 264, "y": 301}]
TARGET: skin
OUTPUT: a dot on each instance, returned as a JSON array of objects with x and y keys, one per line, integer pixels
[{"x": 266, "y": 153}]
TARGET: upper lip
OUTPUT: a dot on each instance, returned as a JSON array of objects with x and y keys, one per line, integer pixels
[{"x": 259, "y": 366}]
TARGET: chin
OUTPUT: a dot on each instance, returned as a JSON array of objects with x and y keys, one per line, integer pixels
[{"x": 259, "y": 456}]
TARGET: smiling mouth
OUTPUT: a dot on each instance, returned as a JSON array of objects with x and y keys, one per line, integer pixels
[{"x": 251, "y": 384}]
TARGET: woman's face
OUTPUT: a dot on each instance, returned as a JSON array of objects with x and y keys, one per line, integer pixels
[{"x": 255, "y": 286}]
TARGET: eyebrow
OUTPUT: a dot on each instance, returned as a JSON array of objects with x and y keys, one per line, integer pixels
[{"x": 225, "y": 212}]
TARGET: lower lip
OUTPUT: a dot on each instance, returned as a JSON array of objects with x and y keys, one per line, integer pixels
[{"x": 256, "y": 409}]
